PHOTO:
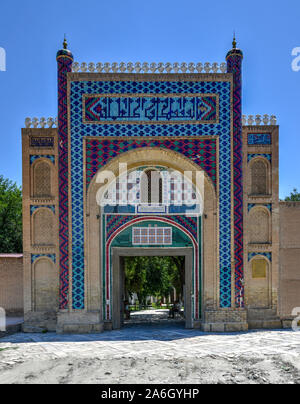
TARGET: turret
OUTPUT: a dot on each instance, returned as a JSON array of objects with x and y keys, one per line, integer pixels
[
  {"x": 64, "y": 66},
  {"x": 234, "y": 65}
]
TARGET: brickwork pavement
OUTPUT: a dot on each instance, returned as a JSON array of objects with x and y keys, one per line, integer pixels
[{"x": 152, "y": 341}]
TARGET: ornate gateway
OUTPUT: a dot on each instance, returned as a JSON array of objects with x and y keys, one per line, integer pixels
[{"x": 148, "y": 160}]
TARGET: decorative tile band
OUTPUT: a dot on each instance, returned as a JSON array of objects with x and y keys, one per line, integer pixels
[
  {"x": 234, "y": 65},
  {"x": 150, "y": 108},
  {"x": 264, "y": 254},
  {"x": 113, "y": 222},
  {"x": 34, "y": 257},
  {"x": 267, "y": 156},
  {"x": 64, "y": 66},
  {"x": 37, "y": 157},
  {"x": 34, "y": 208},
  {"x": 257, "y": 139},
  {"x": 202, "y": 151},
  {"x": 252, "y": 205}
]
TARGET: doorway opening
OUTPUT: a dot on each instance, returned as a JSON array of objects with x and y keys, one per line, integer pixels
[
  {"x": 153, "y": 290},
  {"x": 152, "y": 286}
]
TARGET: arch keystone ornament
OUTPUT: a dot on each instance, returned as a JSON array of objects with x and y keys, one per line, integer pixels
[{"x": 147, "y": 159}]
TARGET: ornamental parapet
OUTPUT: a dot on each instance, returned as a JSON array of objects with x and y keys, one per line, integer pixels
[
  {"x": 259, "y": 120},
  {"x": 145, "y": 67},
  {"x": 41, "y": 123}
]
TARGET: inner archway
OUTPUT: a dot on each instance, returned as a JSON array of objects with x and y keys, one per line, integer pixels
[
  {"x": 118, "y": 279},
  {"x": 153, "y": 290},
  {"x": 203, "y": 226}
]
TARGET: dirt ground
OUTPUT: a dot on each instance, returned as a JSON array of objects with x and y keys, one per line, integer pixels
[
  {"x": 150, "y": 354},
  {"x": 210, "y": 369}
]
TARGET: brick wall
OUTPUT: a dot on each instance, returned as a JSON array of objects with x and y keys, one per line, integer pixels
[
  {"x": 289, "y": 293},
  {"x": 11, "y": 283}
]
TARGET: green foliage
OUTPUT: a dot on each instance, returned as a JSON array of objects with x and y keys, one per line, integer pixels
[
  {"x": 10, "y": 217},
  {"x": 153, "y": 276},
  {"x": 294, "y": 197}
]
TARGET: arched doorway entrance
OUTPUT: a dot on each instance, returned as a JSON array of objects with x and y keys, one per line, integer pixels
[
  {"x": 122, "y": 245},
  {"x": 194, "y": 236},
  {"x": 118, "y": 278}
]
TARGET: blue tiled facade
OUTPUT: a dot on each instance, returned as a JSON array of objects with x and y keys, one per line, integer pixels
[{"x": 79, "y": 130}]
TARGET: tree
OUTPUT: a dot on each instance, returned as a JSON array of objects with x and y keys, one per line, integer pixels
[
  {"x": 10, "y": 217},
  {"x": 178, "y": 276},
  {"x": 135, "y": 276},
  {"x": 294, "y": 197},
  {"x": 153, "y": 276}
]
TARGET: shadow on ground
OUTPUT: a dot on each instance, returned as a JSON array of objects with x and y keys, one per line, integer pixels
[{"x": 147, "y": 325}]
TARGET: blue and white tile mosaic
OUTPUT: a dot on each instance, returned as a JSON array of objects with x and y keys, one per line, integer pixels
[
  {"x": 258, "y": 139},
  {"x": 79, "y": 130}
]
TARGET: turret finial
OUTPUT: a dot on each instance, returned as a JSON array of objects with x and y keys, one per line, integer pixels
[
  {"x": 65, "y": 52},
  {"x": 65, "y": 43},
  {"x": 234, "y": 43}
]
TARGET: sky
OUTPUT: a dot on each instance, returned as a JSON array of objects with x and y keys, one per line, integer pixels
[{"x": 267, "y": 31}]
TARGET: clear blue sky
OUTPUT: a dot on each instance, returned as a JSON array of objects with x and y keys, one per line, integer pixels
[{"x": 32, "y": 31}]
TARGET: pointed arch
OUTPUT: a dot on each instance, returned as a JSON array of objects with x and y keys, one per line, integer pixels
[{"x": 149, "y": 157}]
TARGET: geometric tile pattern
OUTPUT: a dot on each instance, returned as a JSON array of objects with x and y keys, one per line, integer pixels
[
  {"x": 64, "y": 65},
  {"x": 34, "y": 158},
  {"x": 234, "y": 65},
  {"x": 100, "y": 151},
  {"x": 264, "y": 254},
  {"x": 150, "y": 108},
  {"x": 79, "y": 130},
  {"x": 34, "y": 257},
  {"x": 259, "y": 139}
]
